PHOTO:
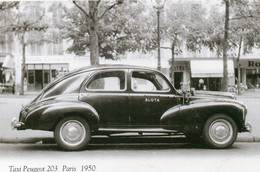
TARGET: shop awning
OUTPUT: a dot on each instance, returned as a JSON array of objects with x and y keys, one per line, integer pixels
[
  {"x": 8, "y": 62},
  {"x": 210, "y": 68}
]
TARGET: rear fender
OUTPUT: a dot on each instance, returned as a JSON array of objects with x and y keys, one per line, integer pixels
[{"x": 46, "y": 117}]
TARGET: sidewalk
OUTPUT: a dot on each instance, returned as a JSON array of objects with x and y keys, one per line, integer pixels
[
  {"x": 251, "y": 93},
  {"x": 10, "y": 106},
  {"x": 26, "y": 95}
]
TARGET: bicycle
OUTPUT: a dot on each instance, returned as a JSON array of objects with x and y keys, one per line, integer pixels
[{"x": 234, "y": 88}]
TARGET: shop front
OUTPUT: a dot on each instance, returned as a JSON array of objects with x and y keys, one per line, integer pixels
[
  {"x": 37, "y": 76},
  {"x": 207, "y": 74},
  {"x": 181, "y": 75},
  {"x": 7, "y": 73},
  {"x": 249, "y": 72},
  {"x": 2, "y": 57},
  {"x": 40, "y": 71}
]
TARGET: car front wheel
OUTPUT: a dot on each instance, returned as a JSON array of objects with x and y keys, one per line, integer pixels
[
  {"x": 220, "y": 131},
  {"x": 72, "y": 133}
]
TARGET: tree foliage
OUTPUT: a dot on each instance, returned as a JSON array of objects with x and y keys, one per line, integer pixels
[
  {"x": 29, "y": 26},
  {"x": 184, "y": 24},
  {"x": 244, "y": 19},
  {"x": 240, "y": 31},
  {"x": 127, "y": 27},
  {"x": 5, "y": 5}
]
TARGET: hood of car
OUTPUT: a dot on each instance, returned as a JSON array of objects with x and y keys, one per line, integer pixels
[
  {"x": 213, "y": 94},
  {"x": 217, "y": 100}
]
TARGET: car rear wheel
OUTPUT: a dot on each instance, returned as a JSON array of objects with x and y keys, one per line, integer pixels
[
  {"x": 220, "y": 131},
  {"x": 72, "y": 133}
]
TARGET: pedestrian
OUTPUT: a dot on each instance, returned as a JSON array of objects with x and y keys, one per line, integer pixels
[{"x": 201, "y": 84}]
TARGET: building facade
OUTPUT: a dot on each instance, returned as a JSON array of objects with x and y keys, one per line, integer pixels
[{"x": 250, "y": 71}]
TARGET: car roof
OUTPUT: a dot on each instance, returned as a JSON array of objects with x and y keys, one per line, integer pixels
[
  {"x": 109, "y": 66},
  {"x": 96, "y": 67}
]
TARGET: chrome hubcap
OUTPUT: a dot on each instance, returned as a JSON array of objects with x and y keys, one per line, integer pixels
[
  {"x": 220, "y": 131},
  {"x": 72, "y": 132}
]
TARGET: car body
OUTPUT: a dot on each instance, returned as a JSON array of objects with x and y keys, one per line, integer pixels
[{"x": 110, "y": 99}]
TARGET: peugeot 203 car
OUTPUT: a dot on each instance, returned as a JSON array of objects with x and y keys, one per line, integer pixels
[{"x": 110, "y": 99}]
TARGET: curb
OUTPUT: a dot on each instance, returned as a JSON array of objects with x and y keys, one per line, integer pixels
[
  {"x": 50, "y": 140},
  {"x": 248, "y": 139},
  {"x": 31, "y": 140}
]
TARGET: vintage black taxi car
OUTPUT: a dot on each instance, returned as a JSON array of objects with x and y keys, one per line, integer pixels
[{"x": 109, "y": 99}]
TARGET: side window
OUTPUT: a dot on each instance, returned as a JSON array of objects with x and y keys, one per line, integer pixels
[
  {"x": 148, "y": 82},
  {"x": 108, "y": 81},
  {"x": 68, "y": 85}
]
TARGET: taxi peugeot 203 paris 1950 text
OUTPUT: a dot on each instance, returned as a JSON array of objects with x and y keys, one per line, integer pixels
[{"x": 111, "y": 99}]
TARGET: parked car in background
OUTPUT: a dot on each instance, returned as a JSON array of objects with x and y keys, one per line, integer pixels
[{"x": 110, "y": 99}]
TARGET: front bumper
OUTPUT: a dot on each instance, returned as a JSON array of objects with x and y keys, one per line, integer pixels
[
  {"x": 248, "y": 127},
  {"x": 15, "y": 124}
]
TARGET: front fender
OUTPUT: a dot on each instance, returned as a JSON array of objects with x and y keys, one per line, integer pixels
[
  {"x": 47, "y": 116},
  {"x": 191, "y": 118}
]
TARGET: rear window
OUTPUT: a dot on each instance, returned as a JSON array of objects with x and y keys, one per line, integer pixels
[{"x": 68, "y": 85}]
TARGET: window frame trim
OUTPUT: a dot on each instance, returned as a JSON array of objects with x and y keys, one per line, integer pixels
[
  {"x": 102, "y": 71},
  {"x": 148, "y": 71}
]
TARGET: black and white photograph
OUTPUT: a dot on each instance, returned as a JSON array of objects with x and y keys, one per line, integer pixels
[{"x": 129, "y": 85}]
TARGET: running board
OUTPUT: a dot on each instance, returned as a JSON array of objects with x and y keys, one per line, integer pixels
[{"x": 135, "y": 130}]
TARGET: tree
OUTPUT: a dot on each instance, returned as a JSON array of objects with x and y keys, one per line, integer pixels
[
  {"x": 224, "y": 84},
  {"x": 132, "y": 31},
  {"x": 92, "y": 18},
  {"x": 214, "y": 31},
  {"x": 219, "y": 37},
  {"x": 183, "y": 26},
  {"x": 5, "y": 8},
  {"x": 5, "y": 5},
  {"x": 245, "y": 27},
  {"x": 28, "y": 29}
]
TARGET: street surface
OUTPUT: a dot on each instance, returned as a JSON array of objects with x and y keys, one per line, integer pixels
[{"x": 134, "y": 157}]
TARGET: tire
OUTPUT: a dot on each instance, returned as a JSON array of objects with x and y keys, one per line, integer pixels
[
  {"x": 220, "y": 131},
  {"x": 72, "y": 133}
]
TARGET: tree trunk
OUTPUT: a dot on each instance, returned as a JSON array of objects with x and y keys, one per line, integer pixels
[
  {"x": 93, "y": 28},
  {"x": 225, "y": 48},
  {"x": 238, "y": 66},
  {"x": 158, "y": 40},
  {"x": 172, "y": 65},
  {"x": 23, "y": 66}
]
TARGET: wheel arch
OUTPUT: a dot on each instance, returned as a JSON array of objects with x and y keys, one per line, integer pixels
[
  {"x": 232, "y": 112},
  {"x": 193, "y": 116},
  {"x": 78, "y": 114},
  {"x": 54, "y": 113}
]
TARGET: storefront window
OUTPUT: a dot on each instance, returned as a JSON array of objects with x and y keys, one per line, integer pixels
[
  {"x": 30, "y": 77},
  {"x": 1, "y": 75},
  {"x": 252, "y": 78},
  {"x": 46, "y": 76},
  {"x": 212, "y": 84},
  {"x": 67, "y": 85}
]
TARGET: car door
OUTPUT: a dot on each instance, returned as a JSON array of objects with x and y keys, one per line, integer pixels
[
  {"x": 106, "y": 92},
  {"x": 150, "y": 96}
]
